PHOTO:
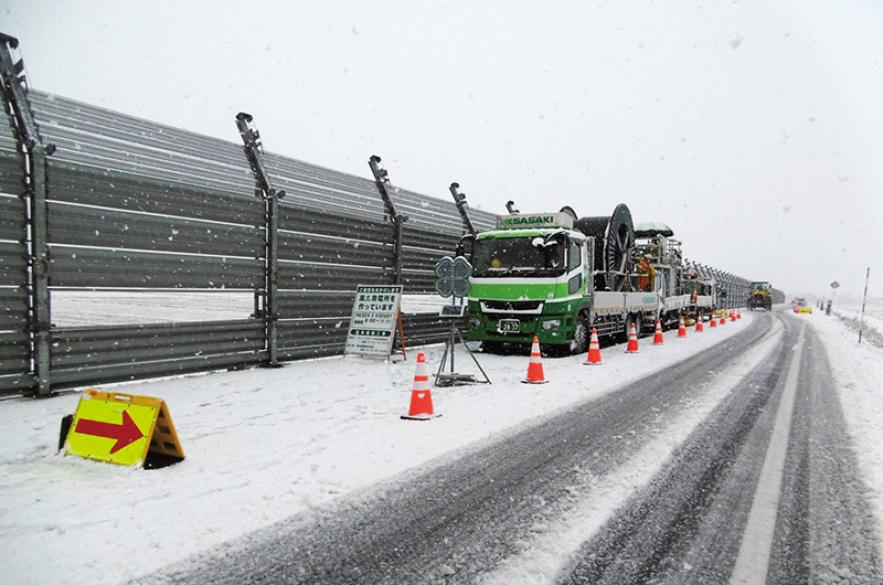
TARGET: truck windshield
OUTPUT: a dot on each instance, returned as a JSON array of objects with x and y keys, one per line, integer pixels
[{"x": 525, "y": 256}]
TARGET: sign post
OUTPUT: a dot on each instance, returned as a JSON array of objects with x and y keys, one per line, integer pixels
[
  {"x": 834, "y": 286},
  {"x": 374, "y": 319},
  {"x": 861, "y": 321}
]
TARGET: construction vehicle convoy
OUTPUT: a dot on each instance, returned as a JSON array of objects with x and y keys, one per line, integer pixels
[{"x": 558, "y": 276}]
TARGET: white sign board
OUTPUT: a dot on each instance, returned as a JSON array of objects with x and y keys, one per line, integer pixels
[
  {"x": 536, "y": 220},
  {"x": 373, "y": 323}
]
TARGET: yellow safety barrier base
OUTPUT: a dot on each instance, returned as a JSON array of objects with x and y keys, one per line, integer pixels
[{"x": 125, "y": 429}]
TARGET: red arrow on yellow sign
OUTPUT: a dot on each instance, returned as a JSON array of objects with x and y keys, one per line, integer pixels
[
  {"x": 126, "y": 429},
  {"x": 126, "y": 433}
]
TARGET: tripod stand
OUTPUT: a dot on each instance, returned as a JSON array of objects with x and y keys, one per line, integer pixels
[{"x": 452, "y": 378}]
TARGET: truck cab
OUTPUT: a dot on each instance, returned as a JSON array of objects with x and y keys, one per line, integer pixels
[
  {"x": 532, "y": 276},
  {"x": 760, "y": 297}
]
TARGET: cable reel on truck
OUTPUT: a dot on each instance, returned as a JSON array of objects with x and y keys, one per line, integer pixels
[{"x": 614, "y": 240}]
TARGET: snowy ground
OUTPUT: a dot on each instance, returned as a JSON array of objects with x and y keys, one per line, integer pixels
[
  {"x": 871, "y": 325},
  {"x": 262, "y": 445},
  {"x": 858, "y": 370}
]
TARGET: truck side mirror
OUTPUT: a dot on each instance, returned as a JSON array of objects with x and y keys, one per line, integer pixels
[{"x": 465, "y": 246}]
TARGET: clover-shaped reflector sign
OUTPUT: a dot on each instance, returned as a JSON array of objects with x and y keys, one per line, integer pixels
[{"x": 453, "y": 276}]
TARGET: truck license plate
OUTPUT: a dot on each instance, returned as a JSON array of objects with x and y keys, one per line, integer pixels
[{"x": 510, "y": 325}]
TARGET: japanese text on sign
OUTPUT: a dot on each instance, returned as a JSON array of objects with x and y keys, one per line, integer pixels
[{"x": 373, "y": 323}]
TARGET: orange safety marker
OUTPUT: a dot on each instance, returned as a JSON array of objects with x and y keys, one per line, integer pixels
[
  {"x": 712, "y": 322},
  {"x": 732, "y": 316},
  {"x": 739, "y": 314},
  {"x": 723, "y": 320},
  {"x": 699, "y": 327},
  {"x": 632, "y": 347},
  {"x": 658, "y": 339},
  {"x": 594, "y": 357},
  {"x": 535, "y": 367},
  {"x": 421, "y": 394},
  {"x": 682, "y": 328}
]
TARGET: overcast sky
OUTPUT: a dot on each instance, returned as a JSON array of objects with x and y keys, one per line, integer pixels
[{"x": 754, "y": 129}]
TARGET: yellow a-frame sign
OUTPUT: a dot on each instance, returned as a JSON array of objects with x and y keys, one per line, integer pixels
[{"x": 125, "y": 429}]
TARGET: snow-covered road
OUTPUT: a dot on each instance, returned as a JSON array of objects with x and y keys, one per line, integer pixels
[{"x": 515, "y": 483}]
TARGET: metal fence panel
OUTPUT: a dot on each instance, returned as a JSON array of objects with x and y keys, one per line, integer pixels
[
  {"x": 124, "y": 146},
  {"x": 306, "y": 338},
  {"x": 422, "y": 249},
  {"x": 134, "y": 371},
  {"x": 89, "y": 347},
  {"x": 13, "y": 266},
  {"x": 89, "y": 187},
  {"x": 134, "y": 204},
  {"x": 87, "y": 117},
  {"x": 302, "y": 276},
  {"x": 428, "y": 328},
  {"x": 13, "y": 309},
  {"x": 14, "y": 355},
  {"x": 89, "y": 226},
  {"x": 89, "y": 267},
  {"x": 297, "y": 219},
  {"x": 334, "y": 250},
  {"x": 11, "y": 173},
  {"x": 430, "y": 239},
  {"x": 419, "y": 281},
  {"x": 315, "y": 304},
  {"x": 12, "y": 218},
  {"x": 315, "y": 188}
]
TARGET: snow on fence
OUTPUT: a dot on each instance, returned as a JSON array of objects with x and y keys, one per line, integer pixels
[{"x": 129, "y": 205}]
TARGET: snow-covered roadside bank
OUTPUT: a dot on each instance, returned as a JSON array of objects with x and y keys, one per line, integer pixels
[
  {"x": 872, "y": 326},
  {"x": 262, "y": 445},
  {"x": 542, "y": 557},
  {"x": 858, "y": 371}
]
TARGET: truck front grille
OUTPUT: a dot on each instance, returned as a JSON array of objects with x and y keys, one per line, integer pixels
[{"x": 511, "y": 306}]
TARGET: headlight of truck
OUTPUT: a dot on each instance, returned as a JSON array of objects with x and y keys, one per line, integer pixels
[
  {"x": 475, "y": 322},
  {"x": 551, "y": 324}
]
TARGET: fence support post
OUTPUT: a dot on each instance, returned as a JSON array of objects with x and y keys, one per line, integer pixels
[
  {"x": 381, "y": 179},
  {"x": 251, "y": 140},
  {"x": 462, "y": 207},
  {"x": 14, "y": 87}
]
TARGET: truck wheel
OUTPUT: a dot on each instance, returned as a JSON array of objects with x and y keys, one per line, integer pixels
[
  {"x": 624, "y": 336},
  {"x": 492, "y": 347},
  {"x": 580, "y": 343}
]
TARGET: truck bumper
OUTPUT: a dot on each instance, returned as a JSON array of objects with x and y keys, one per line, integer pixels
[{"x": 550, "y": 328}]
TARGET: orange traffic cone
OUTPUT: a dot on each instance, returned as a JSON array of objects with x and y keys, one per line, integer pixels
[
  {"x": 699, "y": 327},
  {"x": 732, "y": 316},
  {"x": 594, "y": 357},
  {"x": 682, "y": 329},
  {"x": 633, "y": 340},
  {"x": 712, "y": 321},
  {"x": 723, "y": 319},
  {"x": 658, "y": 339},
  {"x": 739, "y": 314},
  {"x": 535, "y": 368},
  {"x": 421, "y": 395}
]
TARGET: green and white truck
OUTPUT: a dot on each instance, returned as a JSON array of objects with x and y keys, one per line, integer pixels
[{"x": 557, "y": 276}]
